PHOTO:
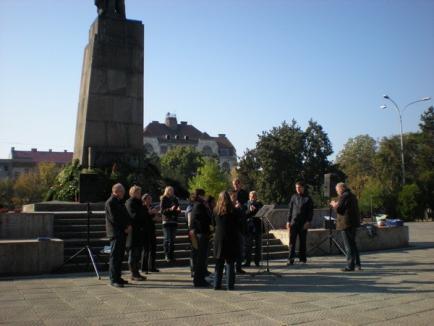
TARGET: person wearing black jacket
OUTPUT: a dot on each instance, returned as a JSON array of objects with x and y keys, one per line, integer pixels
[
  {"x": 242, "y": 229},
  {"x": 118, "y": 225},
  {"x": 299, "y": 218},
  {"x": 170, "y": 210},
  {"x": 347, "y": 221},
  {"x": 138, "y": 237},
  {"x": 200, "y": 226},
  {"x": 254, "y": 229},
  {"x": 226, "y": 240},
  {"x": 150, "y": 247},
  {"x": 241, "y": 194}
]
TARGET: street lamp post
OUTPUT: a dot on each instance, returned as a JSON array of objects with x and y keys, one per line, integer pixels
[{"x": 387, "y": 97}]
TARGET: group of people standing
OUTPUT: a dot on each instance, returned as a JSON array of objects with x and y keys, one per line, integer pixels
[
  {"x": 130, "y": 226},
  {"x": 231, "y": 222},
  {"x": 236, "y": 229},
  {"x": 347, "y": 221}
]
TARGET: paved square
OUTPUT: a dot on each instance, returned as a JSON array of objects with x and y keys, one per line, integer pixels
[{"x": 395, "y": 288}]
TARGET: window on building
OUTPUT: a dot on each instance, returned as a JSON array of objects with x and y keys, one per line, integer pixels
[
  {"x": 225, "y": 152},
  {"x": 226, "y": 166},
  {"x": 207, "y": 151},
  {"x": 149, "y": 148}
]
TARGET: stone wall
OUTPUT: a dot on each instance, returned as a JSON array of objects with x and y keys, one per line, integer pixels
[
  {"x": 318, "y": 243},
  {"x": 25, "y": 257},
  {"x": 26, "y": 225},
  {"x": 278, "y": 217}
]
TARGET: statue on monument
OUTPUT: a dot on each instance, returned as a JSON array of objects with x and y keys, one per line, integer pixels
[{"x": 111, "y": 8}]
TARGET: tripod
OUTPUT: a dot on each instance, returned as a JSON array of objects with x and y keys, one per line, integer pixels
[
  {"x": 331, "y": 238},
  {"x": 86, "y": 248},
  {"x": 266, "y": 270}
]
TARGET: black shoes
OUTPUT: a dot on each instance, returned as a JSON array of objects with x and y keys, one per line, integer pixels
[
  {"x": 117, "y": 284},
  {"x": 358, "y": 267},
  {"x": 155, "y": 270},
  {"x": 347, "y": 269},
  {"x": 138, "y": 277},
  {"x": 241, "y": 271},
  {"x": 203, "y": 284},
  {"x": 290, "y": 262}
]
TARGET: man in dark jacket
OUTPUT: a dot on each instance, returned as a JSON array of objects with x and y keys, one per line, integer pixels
[
  {"x": 118, "y": 225},
  {"x": 200, "y": 226},
  {"x": 299, "y": 218},
  {"x": 254, "y": 229},
  {"x": 138, "y": 237},
  {"x": 242, "y": 195},
  {"x": 347, "y": 221}
]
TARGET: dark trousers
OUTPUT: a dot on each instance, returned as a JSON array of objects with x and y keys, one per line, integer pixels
[
  {"x": 301, "y": 234},
  {"x": 240, "y": 258},
  {"x": 149, "y": 251},
  {"x": 134, "y": 256},
  {"x": 230, "y": 273},
  {"x": 117, "y": 252},
  {"x": 169, "y": 232},
  {"x": 200, "y": 261},
  {"x": 253, "y": 239},
  {"x": 353, "y": 257}
]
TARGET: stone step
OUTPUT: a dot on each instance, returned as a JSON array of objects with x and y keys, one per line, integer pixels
[
  {"x": 94, "y": 234},
  {"x": 181, "y": 251},
  {"x": 85, "y": 266}
]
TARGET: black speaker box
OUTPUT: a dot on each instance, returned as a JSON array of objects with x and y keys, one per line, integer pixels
[
  {"x": 92, "y": 188},
  {"x": 330, "y": 182}
]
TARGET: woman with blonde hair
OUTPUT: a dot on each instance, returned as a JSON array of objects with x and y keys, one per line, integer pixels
[
  {"x": 170, "y": 210},
  {"x": 226, "y": 240}
]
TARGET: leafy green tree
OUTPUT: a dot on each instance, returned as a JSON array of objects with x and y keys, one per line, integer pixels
[
  {"x": 280, "y": 156},
  {"x": 356, "y": 160},
  {"x": 316, "y": 152},
  {"x": 33, "y": 186},
  {"x": 211, "y": 178},
  {"x": 66, "y": 184},
  {"x": 409, "y": 202},
  {"x": 180, "y": 164},
  {"x": 372, "y": 197},
  {"x": 248, "y": 170},
  {"x": 6, "y": 193}
]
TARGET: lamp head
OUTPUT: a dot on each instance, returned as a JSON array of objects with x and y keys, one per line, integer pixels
[
  {"x": 386, "y": 96},
  {"x": 426, "y": 98},
  {"x": 383, "y": 107}
]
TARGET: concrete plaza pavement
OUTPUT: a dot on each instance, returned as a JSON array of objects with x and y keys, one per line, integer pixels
[{"x": 396, "y": 287}]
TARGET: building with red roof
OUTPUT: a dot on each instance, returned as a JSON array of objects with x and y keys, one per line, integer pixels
[
  {"x": 25, "y": 161},
  {"x": 159, "y": 137}
]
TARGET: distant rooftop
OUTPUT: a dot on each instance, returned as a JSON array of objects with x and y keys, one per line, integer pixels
[
  {"x": 181, "y": 130},
  {"x": 42, "y": 156}
]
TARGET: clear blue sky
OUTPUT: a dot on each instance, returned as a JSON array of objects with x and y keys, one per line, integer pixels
[{"x": 237, "y": 67}]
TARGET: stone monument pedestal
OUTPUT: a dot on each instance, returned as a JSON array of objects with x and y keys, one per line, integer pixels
[{"x": 110, "y": 113}]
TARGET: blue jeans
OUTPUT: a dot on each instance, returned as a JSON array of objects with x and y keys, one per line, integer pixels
[
  {"x": 169, "y": 232},
  {"x": 353, "y": 257},
  {"x": 230, "y": 273}
]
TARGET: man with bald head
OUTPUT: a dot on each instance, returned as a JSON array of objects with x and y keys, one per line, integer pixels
[
  {"x": 118, "y": 225},
  {"x": 347, "y": 221}
]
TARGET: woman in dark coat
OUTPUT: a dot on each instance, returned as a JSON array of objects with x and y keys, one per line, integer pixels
[
  {"x": 226, "y": 240},
  {"x": 137, "y": 237},
  {"x": 170, "y": 210},
  {"x": 150, "y": 247},
  {"x": 200, "y": 229}
]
